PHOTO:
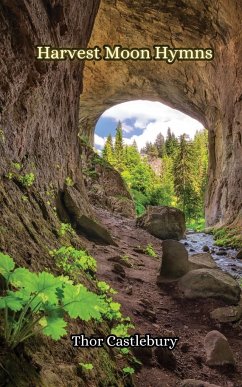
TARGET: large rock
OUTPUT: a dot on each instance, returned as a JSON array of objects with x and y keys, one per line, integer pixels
[
  {"x": 227, "y": 314},
  {"x": 210, "y": 283},
  {"x": 201, "y": 260},
  {"x": 196, "y": 383},
  {"x": 163, "y": 222},
  {"x": 218, "y": 351},
  {"x": 174, "y": 261},
  {"x": 83, "y": 219}
]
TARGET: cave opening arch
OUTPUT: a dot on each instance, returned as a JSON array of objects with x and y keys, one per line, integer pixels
[{"x": 151, "y": 133}]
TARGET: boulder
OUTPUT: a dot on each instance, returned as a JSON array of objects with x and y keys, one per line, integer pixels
[
  {"x": 121, "y": 205},
  {"x": 210, "y": 283},
  {"x": 201, "y": 260},
  {"x": 174, "y": 261},
  {"x": 196, "y": 383},
  {"x": 239, "y": 254},
  {"x": 218, "y": 351},
  {"x": 163, "y": 222},
  {"x": 83, "y": 219},
  {"x": 227, "y": 314},
  {"x": 206, "y": 249}
]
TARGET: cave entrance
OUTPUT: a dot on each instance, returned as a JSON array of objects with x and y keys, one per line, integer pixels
[{"x": 161, "y": 153}]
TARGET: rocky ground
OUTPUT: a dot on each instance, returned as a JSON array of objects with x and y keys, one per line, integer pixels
[{"x": 161, "y": 312}]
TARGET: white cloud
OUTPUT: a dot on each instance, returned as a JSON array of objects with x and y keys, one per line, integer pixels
[
  {"x": 99, "y": 141},
  {"x": 178, "y": 127},
  {"x": 153, "y": 118}
]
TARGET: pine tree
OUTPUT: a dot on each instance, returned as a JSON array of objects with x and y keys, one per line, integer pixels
[
  {"x": 171, "y": 144},
  {"x": 119, "y": 148},
  {"x": 184, "y": 173},
  {"x": 160, "y": 144},
  {"x": 107, "y": 152}
]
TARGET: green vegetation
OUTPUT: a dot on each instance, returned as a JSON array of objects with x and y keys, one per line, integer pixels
[
  {"x": 38, "y": 302},
  {"x": 87, "y": 366},
  {"x": 182, "y": 178},
  {"x": 27, "y": 180},
  {"x": 69, "y": 182},
  {"x": 128, "y": 371},
  {"x": 197, "y": 225},
  {"x": 71, "y": 260},
  {"x": 149, "y": 250},
  {"x": 65, "y": 228},
  {"x": 227, "y": 236},
  {"x": 35, "y": 303}
]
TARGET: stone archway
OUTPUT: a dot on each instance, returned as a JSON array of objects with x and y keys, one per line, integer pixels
[{"x": 207, "y": 91}]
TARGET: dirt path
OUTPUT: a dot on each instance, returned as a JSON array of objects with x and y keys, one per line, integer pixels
[{"x": 160, "y": 312}]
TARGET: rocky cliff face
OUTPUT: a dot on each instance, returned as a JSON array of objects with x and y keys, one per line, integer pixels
[{"x": 208, "y": 91}]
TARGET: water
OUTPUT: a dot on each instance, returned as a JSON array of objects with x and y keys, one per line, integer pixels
[{"x": 228, "y": 262}]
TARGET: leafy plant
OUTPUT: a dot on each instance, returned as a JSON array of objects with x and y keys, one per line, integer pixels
[
  {"x": 128, "y": 371},
  {"x": 27, "y": 180},
  {"x": 105, "y": 288},
  {"x": 65, "y": 228},
  {"x": 124, "y": 351},
  {"x": 87, "y": 366},
  {"x": 149, "y": 250},
  {"x": 69, "y": 182},
  {"x": 38, "y": 302},
  {"x": 121, "y": 330},
  {"x": 71, "y": 260},
  {"x": 125, "y": 258},
  {"x": 17, "y": 166}
]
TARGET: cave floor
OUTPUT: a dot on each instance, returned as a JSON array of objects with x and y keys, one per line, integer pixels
[{"x": 160, "y": 311}]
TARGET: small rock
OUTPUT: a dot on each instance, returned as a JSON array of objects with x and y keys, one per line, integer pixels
[
  {"x": 144, "y": 354},
  {"x": 185, "y": 347},
  {"x": 239, "y": 255},
  {"x": 118, "y": 269},
  {"x": 221, "y": 252},
  {"x": 191, "y": 250},
  {"x": 186, "y": 244},
  {"x": 206, "y": 249},
  {"x": 119, "y": 259},
  {"x": 227, "y": 314},
  {"x": 196, "y": 383},
  {"x": 129, "y": 290},
  {"x": 201, "y": 260},
  {"x": 165, "y": 358},
  {"x": 138, "y": 250},
  {"x": 150, "y": 314},
  {"x": 218, "y": 351}
]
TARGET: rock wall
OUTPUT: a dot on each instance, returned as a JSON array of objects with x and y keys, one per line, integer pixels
[
  {"x": 39, "y": 101},
  {"x": 207, "y": 91}
]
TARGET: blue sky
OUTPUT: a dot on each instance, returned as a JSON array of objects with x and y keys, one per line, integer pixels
[{"x": 142, "y": 121}]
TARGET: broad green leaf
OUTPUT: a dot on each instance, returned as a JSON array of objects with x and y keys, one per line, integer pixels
[
  {"x": 12, "y": 302},
  {"x": 79, "y": 302},
  {"x": 44, "y": 284},
  {"x": 6, "y": 265},
  {"x": 53, "y": 327},
  {"x": 87, "y": 366},
  {"x": 23, "y": 278}
]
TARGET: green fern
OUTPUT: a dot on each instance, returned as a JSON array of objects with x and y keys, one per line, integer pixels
[{"x": 39, "y": 302}]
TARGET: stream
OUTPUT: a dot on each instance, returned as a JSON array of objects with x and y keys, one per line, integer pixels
[{"x": 223, "y": 256}]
